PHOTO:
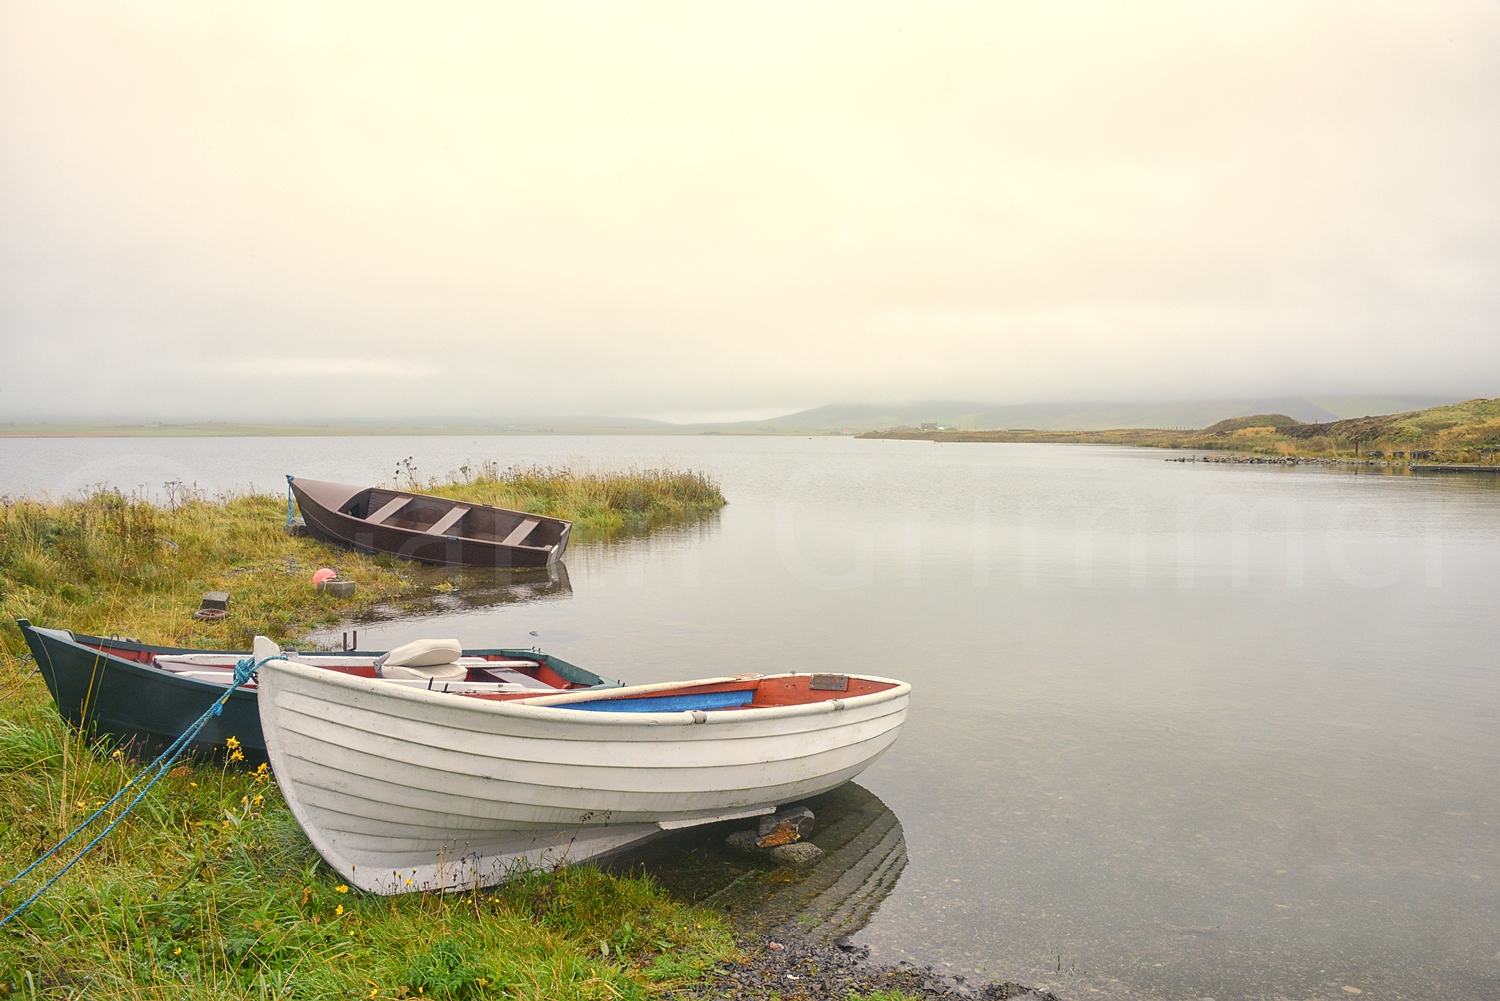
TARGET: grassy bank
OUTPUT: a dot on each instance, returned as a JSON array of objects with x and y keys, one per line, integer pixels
[
  {"x": 112, "y": 565},
  {"x": 1462, "y": 433},
  {"x": 209, "y": 889},
  {"x": 115, "y": 565}
]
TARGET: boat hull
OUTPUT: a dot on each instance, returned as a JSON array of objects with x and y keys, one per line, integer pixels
[
  {"x": 324, "y": 521},
  {"x": 110, "y": 695},
  {"x": 411, "y": 790},
  {"x": 101, "y": 687}
]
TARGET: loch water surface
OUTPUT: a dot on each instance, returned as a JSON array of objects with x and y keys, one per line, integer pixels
[{"x": 1178, "y": 730}]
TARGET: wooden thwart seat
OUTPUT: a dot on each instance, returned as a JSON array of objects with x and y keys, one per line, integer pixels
[
  {"x": 521, "y": 531},
  {"x": 391, "y": 507},
  {"x": 448, "y": 520}
]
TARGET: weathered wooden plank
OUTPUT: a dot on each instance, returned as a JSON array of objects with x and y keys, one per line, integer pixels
[
  {"x": 448, "y": 520},
  {"x": 391, "y": 507},
  {"x": 521, "y": 531}
]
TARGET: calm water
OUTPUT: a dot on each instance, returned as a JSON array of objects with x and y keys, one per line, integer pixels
[{"x": 1178, "y": 730}]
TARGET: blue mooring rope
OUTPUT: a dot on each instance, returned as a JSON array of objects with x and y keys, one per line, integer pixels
[
  {"x": 243, "y": 672},
  {"x": 289, "y": 501}
]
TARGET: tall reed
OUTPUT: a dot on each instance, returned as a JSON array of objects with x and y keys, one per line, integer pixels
[{"x": 600, "y": 504}]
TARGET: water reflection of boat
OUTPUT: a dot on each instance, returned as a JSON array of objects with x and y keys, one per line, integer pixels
[
  {"x": 865, "y": 853},
  {"x": 445, "y": 590}
]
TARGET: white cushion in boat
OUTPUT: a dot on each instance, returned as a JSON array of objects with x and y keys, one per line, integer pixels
[
  {"x": 423, "y": 653},
  {"x": 438, "y": 672},
  {"x": 423, "y": 660}
]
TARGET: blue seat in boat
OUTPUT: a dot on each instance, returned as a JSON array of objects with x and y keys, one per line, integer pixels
[{"x": 665, "y": 703}]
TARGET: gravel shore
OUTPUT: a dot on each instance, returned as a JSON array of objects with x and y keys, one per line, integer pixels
[{"x": 793, "y": 970}]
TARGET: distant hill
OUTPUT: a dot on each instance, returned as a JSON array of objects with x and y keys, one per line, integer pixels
[
  {"x": 1463, "y": 432},
  {"x": 1465, "y": 426},
  {"x": 968, "y": 415},
  {"x": 1253, "y": 421}
]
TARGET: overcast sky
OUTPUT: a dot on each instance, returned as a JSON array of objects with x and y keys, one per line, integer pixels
[{"x": 264, "y": 211}]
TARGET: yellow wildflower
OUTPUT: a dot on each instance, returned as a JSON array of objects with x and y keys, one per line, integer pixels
[
  {"x": 177, "y": 951},
  {"x": 339, "y": 909},
  {"x": 233, "y": 743},
  {"x": 261, "y": 772},
  {"x": 258, "y": 800},
  {"x": 341, "y": 888},
  {"x": 237, "y": 756}
]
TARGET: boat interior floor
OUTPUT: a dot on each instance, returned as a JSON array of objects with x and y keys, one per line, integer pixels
[
  {"x": 493, "y": 674},
  {"x": 749, "y": 692}
]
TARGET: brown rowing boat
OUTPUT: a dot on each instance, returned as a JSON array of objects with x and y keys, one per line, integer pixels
[{"x": 427, "y": 528}]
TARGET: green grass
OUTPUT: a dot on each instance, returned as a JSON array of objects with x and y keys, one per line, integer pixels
[
  {"x": 109, "y": 564},
  {"x": 209, "y": 889}
]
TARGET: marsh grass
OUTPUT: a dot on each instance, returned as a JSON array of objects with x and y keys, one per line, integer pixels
[
  {"x": 112, "y": 564},
  {"x": 209, "y": 888},
  {"x": 600, "y": 504}
]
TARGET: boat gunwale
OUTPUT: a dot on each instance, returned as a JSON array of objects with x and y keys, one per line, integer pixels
[
  {"x": 105, "y": 648},
  {"x": 534, "y": 708},
  {"x": 142, "y": 668}
]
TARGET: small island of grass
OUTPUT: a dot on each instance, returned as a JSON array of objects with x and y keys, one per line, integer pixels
[{"x": 600, "y": 505}]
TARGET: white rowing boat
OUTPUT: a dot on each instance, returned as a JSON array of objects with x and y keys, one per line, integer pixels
[{"x": 403, "y": 789}]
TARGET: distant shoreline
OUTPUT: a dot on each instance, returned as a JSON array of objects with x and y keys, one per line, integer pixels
[
  {"x": 345, "y": 431},
  {"x": 1465, "y": 434}
]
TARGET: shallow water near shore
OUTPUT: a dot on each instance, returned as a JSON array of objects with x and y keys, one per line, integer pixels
[{"x": 1178, "y": 730}]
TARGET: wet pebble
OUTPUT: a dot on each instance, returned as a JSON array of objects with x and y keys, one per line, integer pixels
[
  {"x": 820, "y": 971},
  {"x": 800, "y": 853}
]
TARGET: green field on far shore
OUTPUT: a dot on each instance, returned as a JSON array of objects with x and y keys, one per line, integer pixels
[{"x": 1464, "y": 433}]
